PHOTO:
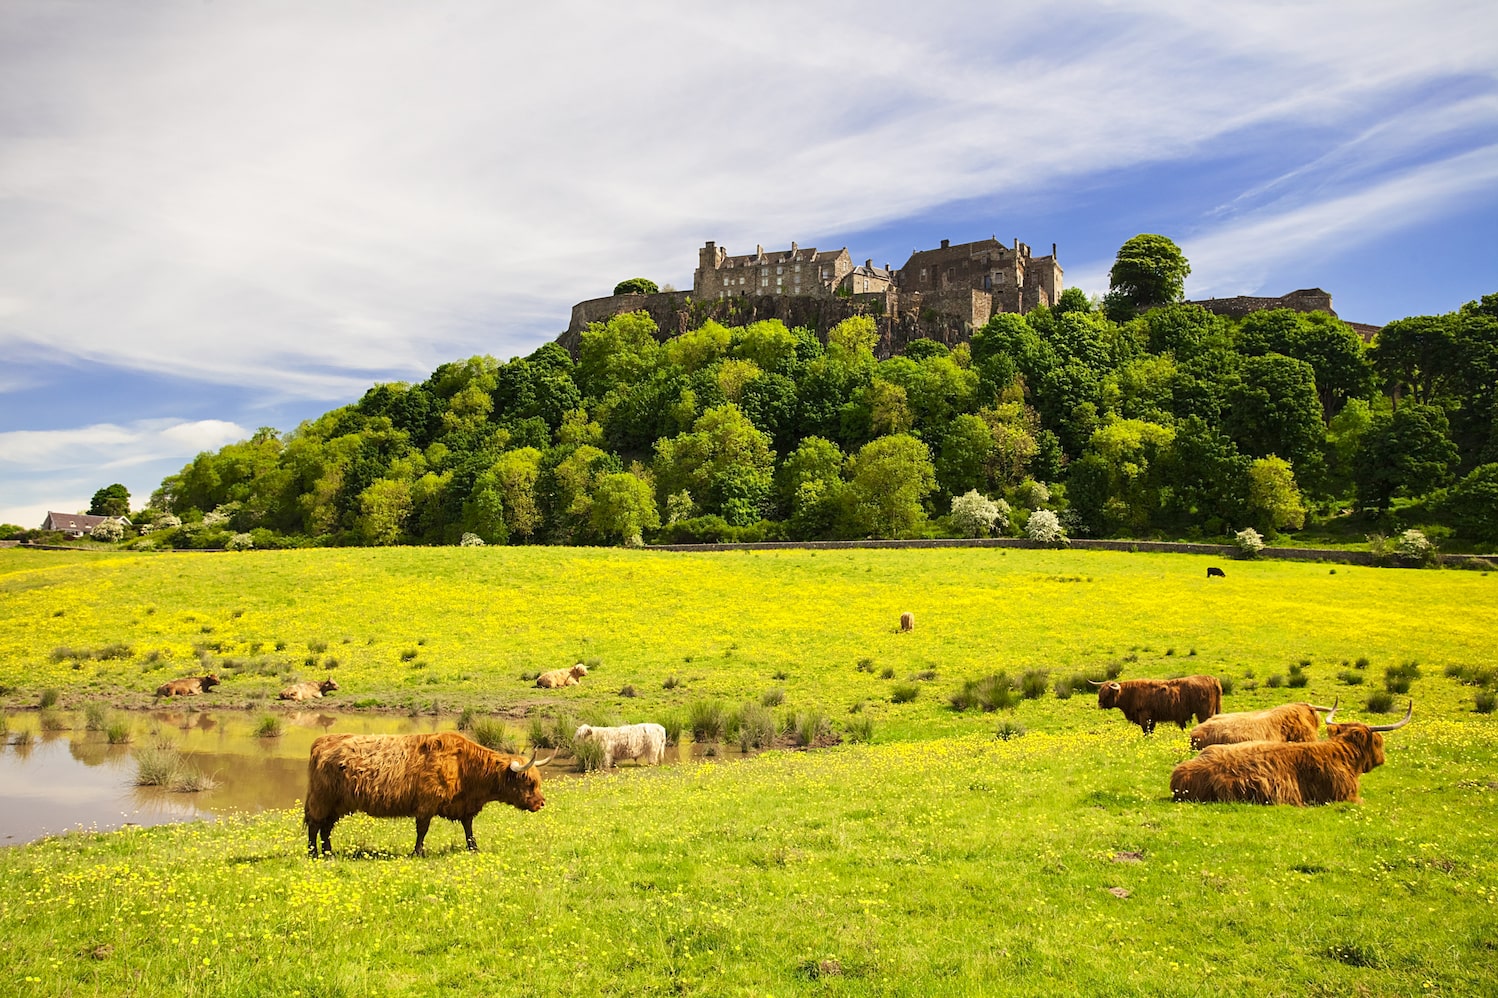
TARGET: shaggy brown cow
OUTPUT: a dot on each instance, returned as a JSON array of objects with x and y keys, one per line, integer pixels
[
  {"x": 307, "y": 691},
  {"x": 907, "y": 621},
  {"x": 561, "y": 677},
  {"x": 189, "y": 686},
  {"x": 1289, "y": 722},
  {"x": 1285, "y": 772},
  {"x": 441, "y": 775},
  {"x": 1147, "y": 701}
]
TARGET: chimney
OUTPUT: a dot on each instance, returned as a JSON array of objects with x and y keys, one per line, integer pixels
[
  {"x": 793, "y": 249},
  {"x": 759, "y": 251},
  {"x": 1053, "y": 251},
  {"x": 869, "y": 264},
  {"x": 946, "y": 243}
]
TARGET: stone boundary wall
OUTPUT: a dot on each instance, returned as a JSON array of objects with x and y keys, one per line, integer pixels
[{"x": 1225, "y": 551}]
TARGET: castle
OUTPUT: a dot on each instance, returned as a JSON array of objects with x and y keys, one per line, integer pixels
[{"x": 969, "y": 281}]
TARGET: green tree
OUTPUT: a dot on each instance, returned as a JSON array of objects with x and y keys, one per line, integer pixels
[
  {"x": 966, "y": 456},
  {"x": 888, "y": 480},
  {"x": 1120, "y": 483},
  {"x": 623, "y": 508},
  {"x": 814, "y": 460},
  {"x": 1275, "y": 409},
  {"x": 1149, "y": 271},
  {"x": 618, "y": 352},
  {"x": 636, "y": 286},
  {"x": 721, "y": 457},
  {"x": 516, "y": 473},
  {"x": 1274, "y": 500},
  {"x": 1408, "y": 453},
  {"x": 383, "y": 508},
  {"x": 112, "y": 500},
  {"x": 1472, "y": 504}
]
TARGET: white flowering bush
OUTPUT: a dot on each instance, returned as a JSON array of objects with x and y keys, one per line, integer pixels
[
  {"x": 1044, "y": 526},
  {"x": 240, "y": 542},
  {"x": 974, "y": 514},
  {"x": 108, "y": 531},
  {"x": 168, "y": 521},
  {"x": 1248, "y": 541},
  {"x": 471, "y": 541},
  {"x": 220, "y": 515},
  {"x": 1414, "y": 548},
  {"x": 679, "y": 506}
]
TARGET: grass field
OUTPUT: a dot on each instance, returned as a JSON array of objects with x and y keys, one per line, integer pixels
[{"x": 939, "y": 860}]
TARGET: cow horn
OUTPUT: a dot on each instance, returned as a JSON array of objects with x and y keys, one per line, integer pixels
[
  {"x": 1332, "y": 713},
  {"x": 1397, "y": 724},
  {"x": 547, "y": 760},
  {"x": 1328, "y": 710},
  {"x": 515, "y": 763},
  {"x": 1094, "y": 682}
]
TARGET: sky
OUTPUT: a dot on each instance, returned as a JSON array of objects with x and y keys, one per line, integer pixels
[{"x": 218, "y": 216}]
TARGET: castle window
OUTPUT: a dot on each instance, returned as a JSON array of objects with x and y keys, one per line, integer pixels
[
  {"x": 764, "y": 282},
  {"x": 779, "y": 270}
]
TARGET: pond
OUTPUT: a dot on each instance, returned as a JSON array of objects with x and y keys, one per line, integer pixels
[{"x": 57, "y": 781}]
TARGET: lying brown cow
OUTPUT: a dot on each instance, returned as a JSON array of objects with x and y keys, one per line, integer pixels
[
  {"x": 1289, "y": 722},
  {"x": 1285, "y": 772},
  {"x": 307, "y": 691},
  {"x": 441, "y": 775},
  {"x": 1147, "y": 701},
  {"x": 561, "y": 677},
  {"x": 189, "y": 686}
]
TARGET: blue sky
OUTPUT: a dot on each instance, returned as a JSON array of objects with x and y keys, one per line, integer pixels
[{"x": 215, "y": 217}]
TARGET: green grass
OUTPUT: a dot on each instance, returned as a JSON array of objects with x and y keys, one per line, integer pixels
[{"x": 1033, "y": 849}]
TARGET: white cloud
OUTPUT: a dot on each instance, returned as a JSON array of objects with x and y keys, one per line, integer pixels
[
  {"x": 309, "y": 198},
  {"x": 109, "y": 446}
]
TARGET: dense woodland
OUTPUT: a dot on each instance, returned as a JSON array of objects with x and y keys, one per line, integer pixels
[
  {"x": 1117, "y": 418},
  {"x": 1174, "y": 423}
]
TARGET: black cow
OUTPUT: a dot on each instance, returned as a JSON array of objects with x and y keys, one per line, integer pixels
[{"x": 1213, "y": 572}]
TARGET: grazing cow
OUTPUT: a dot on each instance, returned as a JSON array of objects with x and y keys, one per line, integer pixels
[
  {"x": 1147, "y": 701},
  {"x": 308, "y": 691},
  {"x": 561, "y": 677},
  {"x": 907, "y": 621},
  {"x": 189, "y": 686},
  {"x": 644, "y": 742},
  {"x": 1289, "y": 722},
  {"x": 440, "y": 775},
  {"x": 1285, "y": 772},
  {"x": 1213, "y": 572}
]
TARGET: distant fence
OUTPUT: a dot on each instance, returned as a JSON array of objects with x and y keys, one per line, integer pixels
[{"x": 1226, "y": 551}]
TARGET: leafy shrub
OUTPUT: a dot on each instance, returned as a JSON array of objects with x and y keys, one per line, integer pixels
[
  {"x": 1380, "y": 703},
  {"x": 1298, "y": 679},
  {"x": 1486, "y": 701},
  {"x": 1033, "y": 683},
  {"x": 1249, "y": 542},
  {"x": 1009, "y": 729},
  {"x": 1044, "y": 526},
  {"x": 1414, "y": 549},
  {"x": 1351, "y": 677},
  {"x": 888, "y": 672},
  {"x": 974, "y": 514},
  {"x": 470, "y": 540},
  {"x": 1361, "y": 663},
  {"x": 904, "y": 692},
  {"x": 1275, "y": 681},
  {"x": 1396, "y": 684}
]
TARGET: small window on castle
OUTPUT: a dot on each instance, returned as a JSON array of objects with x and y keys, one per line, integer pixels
[
  {"x": 923, "y": 274},
  {"x": 764, "y": 282},
  {"x": 779, "y": 270}
]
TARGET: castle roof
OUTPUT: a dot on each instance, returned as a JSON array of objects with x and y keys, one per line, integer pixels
[{"x": 795, "y": 254}]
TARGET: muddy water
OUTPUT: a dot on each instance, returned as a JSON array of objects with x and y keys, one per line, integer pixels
[{"x": 65, "y": 780}]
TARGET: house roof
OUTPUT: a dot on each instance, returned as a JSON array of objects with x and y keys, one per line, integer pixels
[{"x": 85, "y": 522}]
